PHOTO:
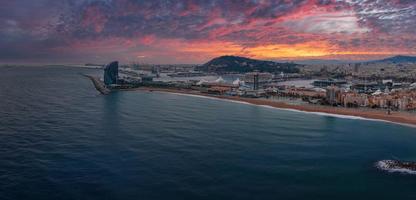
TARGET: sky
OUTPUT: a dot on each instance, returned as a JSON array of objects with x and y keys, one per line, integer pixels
[{"x": 194, "y": 31}]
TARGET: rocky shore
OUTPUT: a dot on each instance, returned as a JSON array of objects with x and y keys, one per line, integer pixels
[{"x": 397, "y": 166}]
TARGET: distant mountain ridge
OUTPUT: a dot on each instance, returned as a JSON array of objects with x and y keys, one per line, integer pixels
[
  {"x": 394, "y": 59},
  {"x": 397, "y": 59},
  {"x": 322, "y": 62},
  {"x": 243, "y": 64}
]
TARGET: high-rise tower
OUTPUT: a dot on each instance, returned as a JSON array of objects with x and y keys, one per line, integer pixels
[{"x": 111, "y": 73}]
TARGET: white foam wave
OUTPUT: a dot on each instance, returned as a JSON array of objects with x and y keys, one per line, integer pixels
[
  {"x": 385, "y": 166},
  {"x": 194, "y": 95},
  {"x": 336, "y": 115},
  {"x": 295, "y": 110},
  {"x": 321, "y": 113},
  {"x": 213, "y": 98}
]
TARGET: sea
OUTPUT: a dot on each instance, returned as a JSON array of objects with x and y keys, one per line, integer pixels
[{"x": 61, "y": 139}]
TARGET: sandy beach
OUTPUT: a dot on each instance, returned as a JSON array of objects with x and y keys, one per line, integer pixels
[{"x": 405, "y": 118}]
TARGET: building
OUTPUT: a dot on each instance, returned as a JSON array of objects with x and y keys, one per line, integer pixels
[
  {"x": 301, "y": 92},
  {"x": 353, "y": 99},
  {"x": 364, "y": 87},
  {"x": 333, "y": 95},
  {"x": 147, "y": 79},
  {"x": 259, "y": 77},
  {"x": 254, "y": 93},
  {"x": 329, "y": 82},
  {"x": 219, "y": 90},
  {"x": 111, "y": 73}
]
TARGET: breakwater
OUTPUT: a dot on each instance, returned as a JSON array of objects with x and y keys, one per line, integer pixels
[{"x": 98, "y": 85}]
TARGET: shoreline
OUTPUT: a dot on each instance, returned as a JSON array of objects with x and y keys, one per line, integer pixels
[{"x": 401, "y": 118}]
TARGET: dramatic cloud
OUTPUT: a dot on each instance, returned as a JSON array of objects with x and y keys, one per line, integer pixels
[{"x": 193, "y": 31}]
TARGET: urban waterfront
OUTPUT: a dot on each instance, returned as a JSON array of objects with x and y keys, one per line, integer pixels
[{"x": 62, "y": 140}]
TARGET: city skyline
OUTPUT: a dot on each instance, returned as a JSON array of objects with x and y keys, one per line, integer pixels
[{"x": 168, "y": 32}]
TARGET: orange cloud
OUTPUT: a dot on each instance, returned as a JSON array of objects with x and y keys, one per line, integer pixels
[{"x": 308, "y": 49}]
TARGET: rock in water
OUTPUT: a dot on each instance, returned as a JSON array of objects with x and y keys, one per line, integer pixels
[{"x": 397, "y": 166}]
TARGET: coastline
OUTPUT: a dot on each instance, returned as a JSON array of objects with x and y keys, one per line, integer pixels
[{"x": 407, "y": 119}]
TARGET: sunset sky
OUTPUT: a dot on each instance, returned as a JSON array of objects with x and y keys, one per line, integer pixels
[{"x": 194, "y": 31}]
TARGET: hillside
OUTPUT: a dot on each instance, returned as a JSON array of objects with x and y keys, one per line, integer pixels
[
  {"x": 242, "y": 64},
  {"x": 398, "y": 59}
]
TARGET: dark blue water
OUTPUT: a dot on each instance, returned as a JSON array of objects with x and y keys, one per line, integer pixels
[{"x": 60, "y": 139}]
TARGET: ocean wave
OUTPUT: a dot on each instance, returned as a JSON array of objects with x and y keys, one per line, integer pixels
[
  {"x": 295, "y": 110},
  {"x": 212, "y": 98},
  {"x": 321, "y": 113},
  {"x": 391, "y": 167},
  {"x": 336, "y": 115}
]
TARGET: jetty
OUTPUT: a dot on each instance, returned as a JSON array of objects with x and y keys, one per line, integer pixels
[{"x": 99, "y": 85}]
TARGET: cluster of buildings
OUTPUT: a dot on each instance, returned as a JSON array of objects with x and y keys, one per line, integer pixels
[
  {"x": 403, "y": 99},
  {"x": 336, "y": 92},
  {"x": 369, "y": 71}
]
